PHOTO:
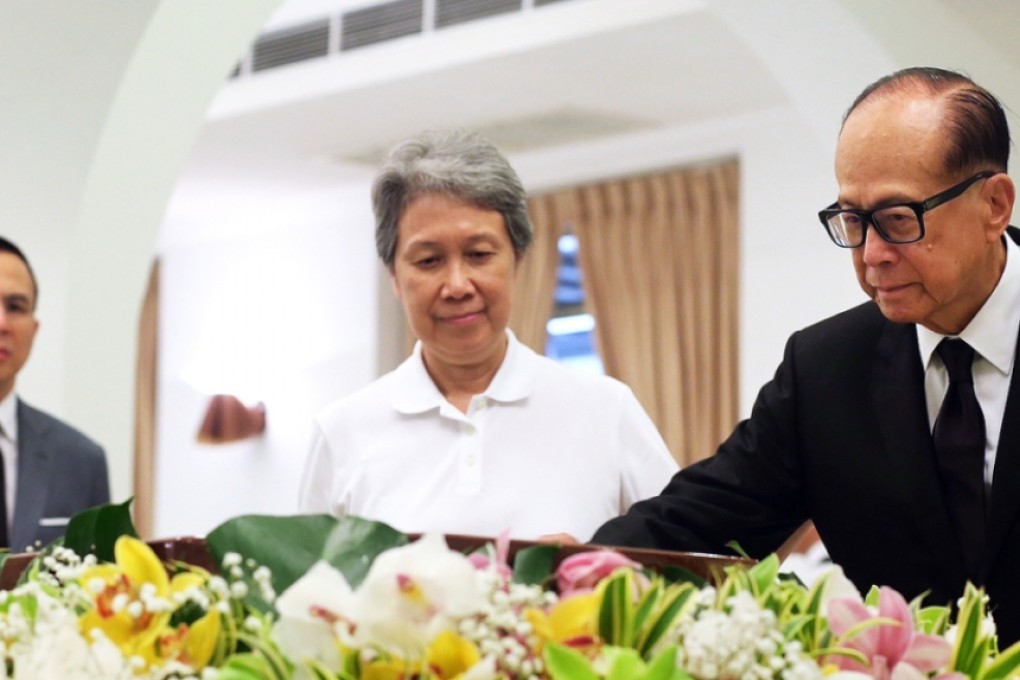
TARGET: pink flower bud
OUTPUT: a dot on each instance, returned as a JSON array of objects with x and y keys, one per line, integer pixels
[{"x": 584, "y": 570}]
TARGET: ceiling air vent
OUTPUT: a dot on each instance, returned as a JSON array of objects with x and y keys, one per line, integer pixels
[
  {"x": 380, "y": 23},
  {"x": 290, "y": 45},
  {"x": 450, "y": 12}
]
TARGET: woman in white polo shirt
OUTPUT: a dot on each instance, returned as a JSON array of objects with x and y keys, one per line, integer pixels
[{"x": 474, "y": 433}]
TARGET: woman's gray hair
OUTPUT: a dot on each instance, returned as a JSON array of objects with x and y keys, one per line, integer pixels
[{"x": 454, "y": 163}]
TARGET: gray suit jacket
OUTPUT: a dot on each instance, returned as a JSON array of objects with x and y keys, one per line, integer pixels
[{"x": 60, "y": 473}]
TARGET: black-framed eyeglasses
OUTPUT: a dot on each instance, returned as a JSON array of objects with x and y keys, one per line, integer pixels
[{"x": 899, "y": 223}]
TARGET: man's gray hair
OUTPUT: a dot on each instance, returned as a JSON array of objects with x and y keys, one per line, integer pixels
[{"x": 453, "y": 163}]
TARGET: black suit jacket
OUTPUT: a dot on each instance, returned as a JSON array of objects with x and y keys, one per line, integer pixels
[
  {"x": 841, "y": 436},
  {"x": 60, "y": 473}
]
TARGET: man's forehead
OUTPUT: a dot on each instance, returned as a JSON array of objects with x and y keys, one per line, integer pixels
[{"x": 15, "y": 278}]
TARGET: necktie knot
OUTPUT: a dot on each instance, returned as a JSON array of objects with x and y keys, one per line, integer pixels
[{"x": 958, "y": 358}]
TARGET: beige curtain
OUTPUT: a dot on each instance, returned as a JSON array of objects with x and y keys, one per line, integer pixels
[
  {"x": 659, "y": 257},
  {"x": 536, "y": 276},
  {"x": 145, "y": 406}
]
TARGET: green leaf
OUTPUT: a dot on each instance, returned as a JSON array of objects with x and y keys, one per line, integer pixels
[
  {"x": 623, "y": 663},
  {"x": 677, "y": 574},
  {"x": 245, "y": 667},
  {"x": 763, "y": 575},
  {"x": 663, "y": 666},
  {"x": 968, "y": 650},
  {"x": 354, "y": 543},
  {"x": 1005, "y": 665},
  {"x": 96, "y": 530},
  {"x": 616, "y": 613},
  {"x": 288, "y": 546},
  {"x": 736, "y": 547},
  {"x": 671, "y": 606},
  {"x": 647, "y": 604},
  {"x": 564, "y": 663},
  {"x": 534, "y": 565}
]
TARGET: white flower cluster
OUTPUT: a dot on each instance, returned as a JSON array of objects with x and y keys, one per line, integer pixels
[
  {"x": 502, "y": 633},
  {"x": 34, "y": 624},
  {"x": 742, "y": 642},
  {"x": 235, "y": 568}
]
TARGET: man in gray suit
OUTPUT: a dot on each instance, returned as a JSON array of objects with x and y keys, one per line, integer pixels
[{"x": 50, "y": 471}]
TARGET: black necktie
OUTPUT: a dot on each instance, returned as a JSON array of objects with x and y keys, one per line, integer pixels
[{"x": 959, "y": 437}]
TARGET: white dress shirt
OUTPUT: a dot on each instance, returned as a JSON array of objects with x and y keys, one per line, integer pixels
[
  {"x": 544, "y": 449},
  {"x": 993, "y": 335},
  {"x": 9, "y": 448}
]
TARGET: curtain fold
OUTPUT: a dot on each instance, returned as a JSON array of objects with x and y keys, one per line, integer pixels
[
  {"x": 660, "y": 261},
  {"x": 536, "y": 274},
  {"x": 145, "y": 406}
]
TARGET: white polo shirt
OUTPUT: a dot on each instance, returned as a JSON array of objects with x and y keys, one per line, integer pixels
[{"x": 544, "y": 449}]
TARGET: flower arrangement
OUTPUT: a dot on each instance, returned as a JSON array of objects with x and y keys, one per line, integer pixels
[{"x": 313, "y": 597}]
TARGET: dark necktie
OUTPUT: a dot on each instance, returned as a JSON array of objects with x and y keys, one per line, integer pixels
[{"x": 959, "y": 437}]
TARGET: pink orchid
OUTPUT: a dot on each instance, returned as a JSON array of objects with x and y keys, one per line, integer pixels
[
  {"x": 893, "y": 649},
  {"x": 483, "y": 561},
  {"x": 584, "y": 570}
]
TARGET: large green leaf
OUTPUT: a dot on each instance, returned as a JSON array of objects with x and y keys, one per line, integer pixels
[
  {"x": 96, "y": 530},
  {"x": 354, "y": 543},
  {"x": 290, "y": 545}
]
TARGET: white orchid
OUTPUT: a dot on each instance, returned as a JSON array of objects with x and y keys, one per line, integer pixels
[
  {"x": 314, "y": 614},
  {"x": 413, "y": 593}
]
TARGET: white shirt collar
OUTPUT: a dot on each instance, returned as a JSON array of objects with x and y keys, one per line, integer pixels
[
  {"x": 984, "y": 332},
  {"x": 413, "y": 391},
  {"x": 9, "y": 416}
]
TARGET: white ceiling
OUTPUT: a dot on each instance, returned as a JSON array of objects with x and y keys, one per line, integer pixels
[
  {"x": 567, "y": 72},
  {"x": 581, "y": 69}
]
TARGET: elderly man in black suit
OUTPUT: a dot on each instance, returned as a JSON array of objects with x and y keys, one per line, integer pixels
[
  {"x": 904, "y": 450},
  {"x": 49, "y": 470}
]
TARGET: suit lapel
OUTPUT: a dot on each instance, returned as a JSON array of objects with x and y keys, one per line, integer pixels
[
  {"x": 1006, "y": 477},
  {"x": 897, "y": 395},
  {"x": 33, "y": 471}
]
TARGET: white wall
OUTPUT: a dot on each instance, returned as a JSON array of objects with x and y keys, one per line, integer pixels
[{"x": 272, "y": 299}]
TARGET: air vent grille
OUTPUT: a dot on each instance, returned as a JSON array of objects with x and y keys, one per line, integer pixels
[
  {"x": 370, "y": 25},
  {"x": 450, "y": 12},
  {"x": 290, "y": 45},
  {"x": 380, "y": 23}
]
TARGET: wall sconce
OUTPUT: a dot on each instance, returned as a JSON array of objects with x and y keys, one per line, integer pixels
[{"x": 228, "y": 420}]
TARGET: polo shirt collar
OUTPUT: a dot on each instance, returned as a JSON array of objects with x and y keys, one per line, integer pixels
[{"x": 413, "y": 391}]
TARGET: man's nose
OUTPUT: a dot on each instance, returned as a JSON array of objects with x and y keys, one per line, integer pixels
[{"x": 876, "y": 249}]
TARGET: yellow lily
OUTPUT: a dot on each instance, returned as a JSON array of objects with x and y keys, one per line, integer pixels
[
  {"x": 572, "y": 621},
  {"x": 119, "y": 612},
  {"x": 451, "y": 656},
  {"x": 194, "y": 644},
  {"x": 139, "y": 623}
]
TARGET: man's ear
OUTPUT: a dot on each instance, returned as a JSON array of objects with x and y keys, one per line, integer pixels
[{"x": 1001, "y": 193}]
